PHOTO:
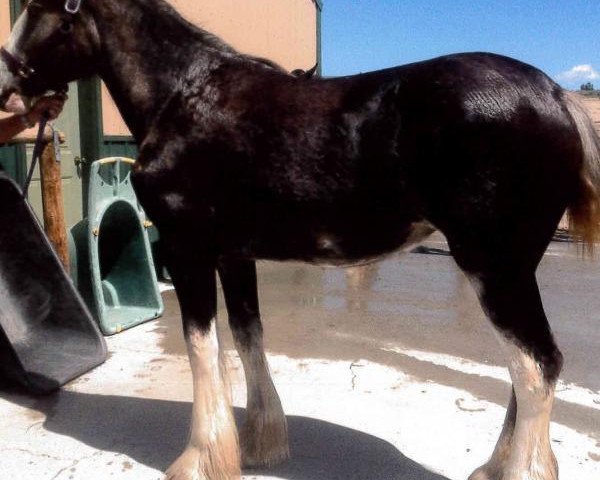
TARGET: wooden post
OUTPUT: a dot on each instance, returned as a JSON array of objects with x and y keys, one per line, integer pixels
[
  {"x": 52, "y": 202},
  {"x": 52, "y": 196}
]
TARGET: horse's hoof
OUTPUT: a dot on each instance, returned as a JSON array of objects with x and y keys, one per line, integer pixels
[
  {"x": 490, "y": 473},
  {"x": 264, "y": 441},
  {"x": 186, "y": 467},
  {"x": 485, "y": 473},
  {"x": 193, "y": 464},
  {"x": 251, "y": 458}
]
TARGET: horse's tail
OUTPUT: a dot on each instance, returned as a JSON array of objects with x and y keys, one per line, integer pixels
[{"x": 584, "y": 209}]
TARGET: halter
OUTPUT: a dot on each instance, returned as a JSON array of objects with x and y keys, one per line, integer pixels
[
  {"x": 72, "y": 6},
  {"x": 15, "y": 65}
]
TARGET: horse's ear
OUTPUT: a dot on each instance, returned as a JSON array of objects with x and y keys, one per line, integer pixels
[{"x": 72, "y": 6}]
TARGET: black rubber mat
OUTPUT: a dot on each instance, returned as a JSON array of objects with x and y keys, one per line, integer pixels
[{"x": 47, "y": 336}]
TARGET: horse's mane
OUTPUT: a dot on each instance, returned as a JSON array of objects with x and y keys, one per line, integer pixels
[
  {"x": 172, "y": 16},
  {"x": 208, "y": 39}
]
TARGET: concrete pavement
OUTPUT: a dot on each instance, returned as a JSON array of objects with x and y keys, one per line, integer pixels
[{"x": 388, "y": 372}]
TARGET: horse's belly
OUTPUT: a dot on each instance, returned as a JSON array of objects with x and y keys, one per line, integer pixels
[{"x": 354, "y": 244}]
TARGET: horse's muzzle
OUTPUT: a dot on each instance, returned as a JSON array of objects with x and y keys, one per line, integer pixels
[
  {"x": 8, "y": 84},
  {"x": 4, "y": 96}
]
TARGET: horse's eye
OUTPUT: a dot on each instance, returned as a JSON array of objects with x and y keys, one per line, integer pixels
[{"x": 65, "y": 27}]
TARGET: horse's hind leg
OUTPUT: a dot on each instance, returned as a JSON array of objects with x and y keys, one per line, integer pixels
[
  {"x": 264, "y": 438},
  {"x": 212, "y": 451},
  {"x": 494, "y": 468},
  {"x": 512, "y": 301}
]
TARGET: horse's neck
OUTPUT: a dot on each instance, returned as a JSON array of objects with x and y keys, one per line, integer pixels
[{"x": 146, "y": 49}]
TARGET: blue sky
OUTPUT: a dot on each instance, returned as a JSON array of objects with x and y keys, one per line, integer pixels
[{"x": 561, "y": 37}]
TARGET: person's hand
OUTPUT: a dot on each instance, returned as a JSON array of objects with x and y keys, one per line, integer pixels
[
  {"x": 51, "y": 106},
  {"x": 15, "y": 104}
]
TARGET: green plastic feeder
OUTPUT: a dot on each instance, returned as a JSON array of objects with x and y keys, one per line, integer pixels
[{"x": 111, "y": 257}]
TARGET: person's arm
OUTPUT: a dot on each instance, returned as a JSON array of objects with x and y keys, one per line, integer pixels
[{"x": 11, "y": 126}]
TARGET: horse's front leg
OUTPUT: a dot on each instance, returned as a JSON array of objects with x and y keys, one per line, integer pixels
[
  {"x": 212, "y": 451},
  {"x": 264, "y": 435}
]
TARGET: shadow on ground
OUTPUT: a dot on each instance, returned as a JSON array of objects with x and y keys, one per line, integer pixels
[{"x": 153, "y": 432}]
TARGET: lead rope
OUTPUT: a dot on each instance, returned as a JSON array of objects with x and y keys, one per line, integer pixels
[{"x": 37, "y": 152}]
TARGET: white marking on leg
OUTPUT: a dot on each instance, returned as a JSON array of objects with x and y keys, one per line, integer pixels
[
  {"x": 531, "y": 456},
  {"x": 264, "y": 436},
  {"x": 523, "y": 450},
  {"x": 494, "y": 467},
  {"x": 212, "y": 451}
]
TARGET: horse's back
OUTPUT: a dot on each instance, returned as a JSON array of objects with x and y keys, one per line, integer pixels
[
  {"x": 479, "y": 145},
  {"x": 343, "y": 168}
]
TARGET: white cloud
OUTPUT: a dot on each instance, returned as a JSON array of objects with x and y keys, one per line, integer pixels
[{"x": 579, "y": 73}]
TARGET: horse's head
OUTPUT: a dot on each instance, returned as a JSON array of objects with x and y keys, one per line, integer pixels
[{"x": 52, "y": 43}]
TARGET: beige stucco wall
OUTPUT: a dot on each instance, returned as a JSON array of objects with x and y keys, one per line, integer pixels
[
  {"x": 4, "y": 20},
  {"x": 4, "y": 28},
  {"x": 284, "y": 31}
]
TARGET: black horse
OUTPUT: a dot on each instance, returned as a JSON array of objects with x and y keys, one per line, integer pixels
[{"x": 241, "y": 161}]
